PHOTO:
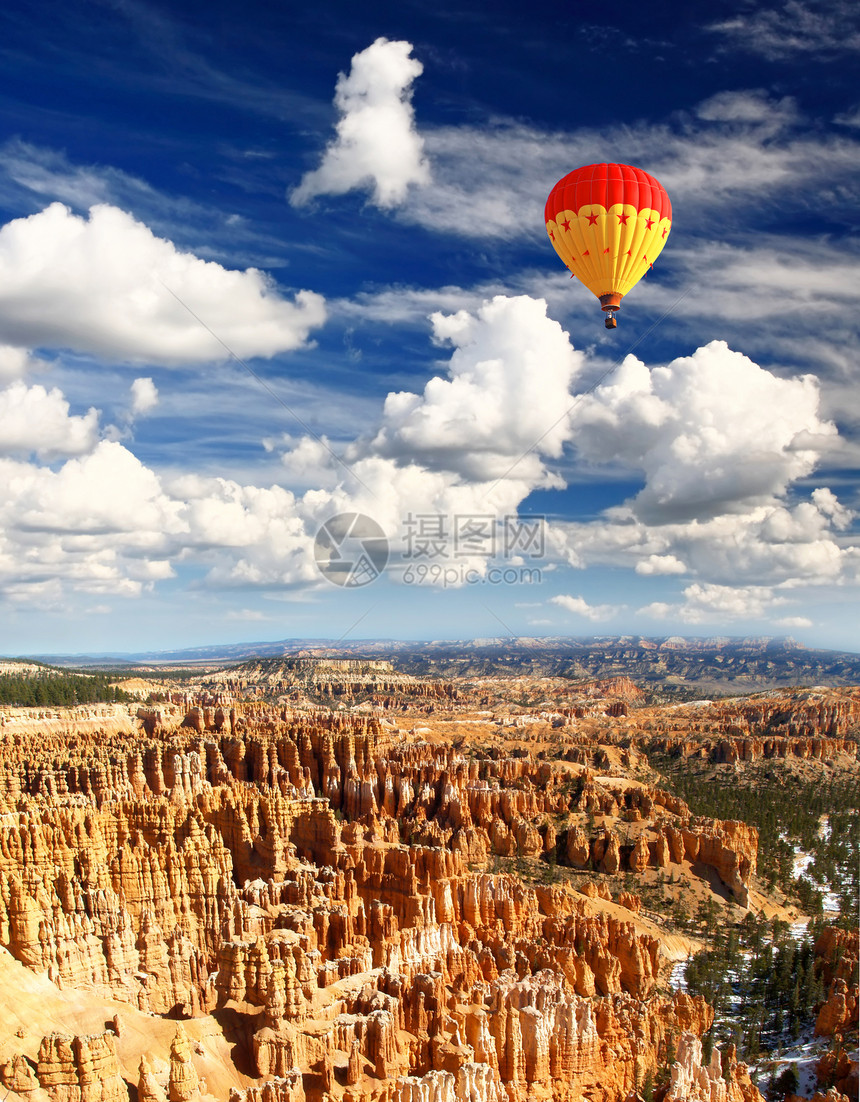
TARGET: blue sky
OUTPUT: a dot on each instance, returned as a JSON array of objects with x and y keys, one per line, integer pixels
[{"x": 265, "y": 265}]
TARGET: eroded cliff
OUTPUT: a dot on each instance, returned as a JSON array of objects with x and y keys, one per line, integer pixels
[{"x": 321, "y": 895}]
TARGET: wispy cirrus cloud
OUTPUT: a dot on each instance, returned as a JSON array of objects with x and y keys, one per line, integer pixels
[
  {"x": 145, "y": 43},
  {"x": 34, "y": 176},
  {"x": 808, "y": 29},
  {"x": 743, "y": 147}
]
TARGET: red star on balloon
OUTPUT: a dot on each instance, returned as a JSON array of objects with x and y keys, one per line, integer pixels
[
  {"x": 649, "y": 223},
  {"x": 566, "y": 225},
  {"x": 622, "y": 218},
  {"x": 592, "y": 218}
]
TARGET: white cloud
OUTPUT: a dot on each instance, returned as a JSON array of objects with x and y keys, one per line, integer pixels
[
  {"x": 144, "y": 395},
  {"x": 99, "y": 524},
  {"x": 505, "y": 400},
  {"x": 100, "y": 285},
  {"x": 710, "y": 603},
  {"x": 475, "y": 443},
  {"x": 660, "y": 564},
  {"x": 785, "y": 301},
  {"x": 377, "y": 144},
  {"x": 413, "y": 305},
  {"x": 720, "y": 443},
  {"x": 580, "y": 607},
  {"x": 49, "y": 175},
  {"x": 794, "y": 622},
  {"x": 794, "y": 29},
  {"x": 706, "y": 601},
  {"x": 36, "y": 420},
  {"x": 784, "y": 279},
  {"x": 749, "y": 106},
  {"x": 713, "y": 433},
  {"x": 734, "y": 148},
  {"x": 106, "y": 523},
  {"x": 828, "y": 505},
  {"x": 768, "y": 543},
  {"x": 108, "y": 491},
  {"x": 14, "y": 363}
]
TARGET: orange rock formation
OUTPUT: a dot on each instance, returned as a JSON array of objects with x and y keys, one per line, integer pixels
[{"x": 312, "y": 883}]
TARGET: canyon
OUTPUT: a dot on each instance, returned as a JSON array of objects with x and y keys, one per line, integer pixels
[{"x": 338, "y": 881}]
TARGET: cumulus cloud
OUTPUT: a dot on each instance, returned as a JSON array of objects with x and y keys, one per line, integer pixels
[
  {"x": 98, "y": 524},
  {"x": 474, "y": 444},
  {"x": 768, "y": 543},
  {"x": 36, "y": 420},
  {"x": 828, "y": 505},
  {"x": 794, "y": 622},
  {"x": 504, "y": 401},
  {"x": 251, "y": 535},
  {"x": 580, "y": 607},
  {"x": 722, "y": 447},
  {"x": 710, "y": 603},
  {"x": 713, "y": 433},
  {"x": 377, "y": 145},
  {"x": 107, "y": 491},
  {"x": 144, "y": 396},
  {"x": 106, "y": 523},
  {"x": 660, "y": 564},
  {"x": 107, "y": 285},
  {"x": 719, "y": 443}
]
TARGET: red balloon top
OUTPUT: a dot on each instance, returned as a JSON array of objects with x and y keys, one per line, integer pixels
[{"x": 605, "y": 185}]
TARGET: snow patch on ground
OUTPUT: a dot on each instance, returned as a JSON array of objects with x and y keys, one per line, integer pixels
[{"x": 677, "y": 978}]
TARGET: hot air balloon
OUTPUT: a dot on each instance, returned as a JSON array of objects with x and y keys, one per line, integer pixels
[{"x": 608, "y": 223}]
